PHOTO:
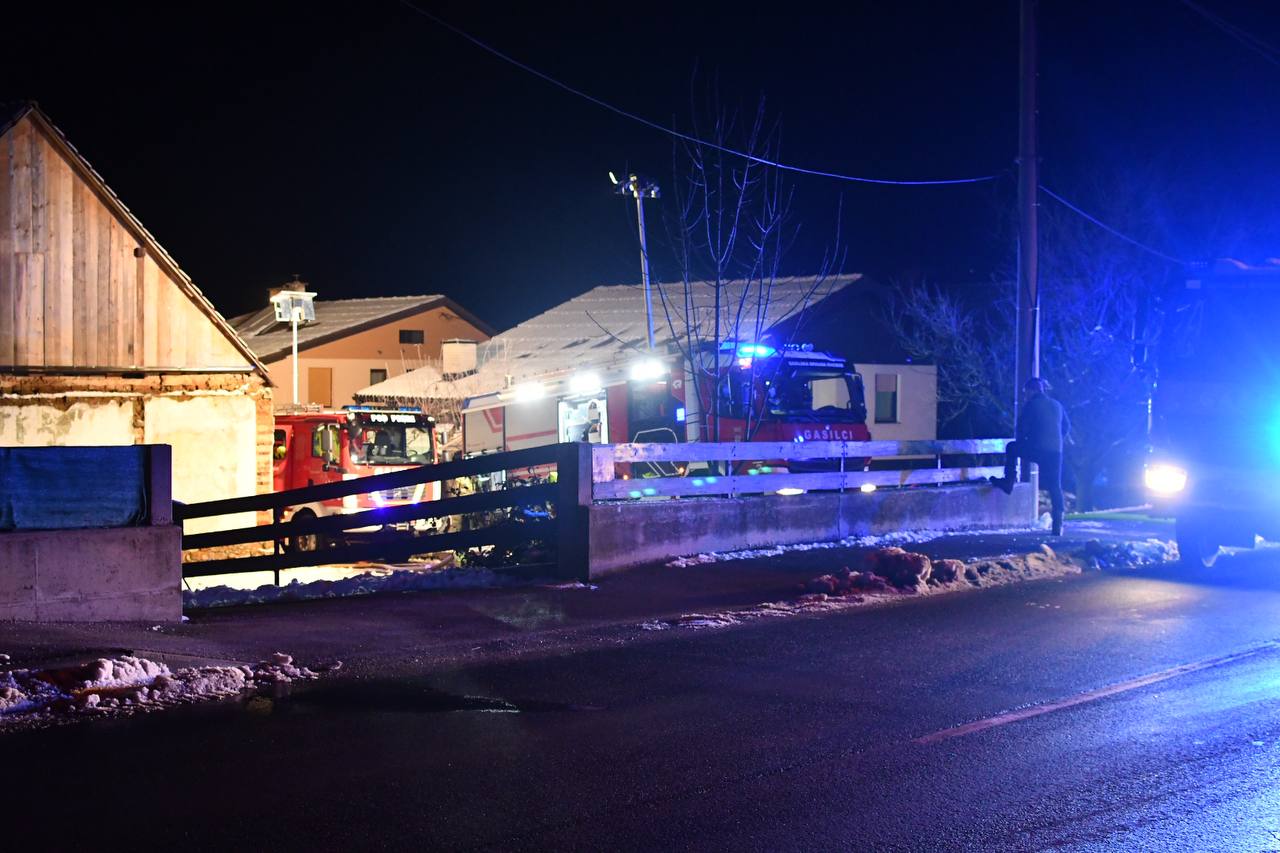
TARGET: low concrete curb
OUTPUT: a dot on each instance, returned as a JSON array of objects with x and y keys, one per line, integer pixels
[{"x": 635, "y": 533}]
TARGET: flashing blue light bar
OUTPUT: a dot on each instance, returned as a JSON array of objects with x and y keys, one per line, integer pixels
[{"x": 748, "y": 350}]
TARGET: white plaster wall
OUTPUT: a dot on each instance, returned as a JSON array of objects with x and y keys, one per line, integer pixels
[
  {"x": 214, "y": 450},
  {"x": 349, "y": 376},
  {"x": 30, "y": 423},
  {"x": 917, "y": 400}
]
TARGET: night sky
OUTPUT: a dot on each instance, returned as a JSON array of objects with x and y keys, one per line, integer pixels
[{"x": 375, "y": 153}]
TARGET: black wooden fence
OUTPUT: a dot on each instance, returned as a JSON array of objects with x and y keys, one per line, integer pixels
[{"x": 566, "y": 530}]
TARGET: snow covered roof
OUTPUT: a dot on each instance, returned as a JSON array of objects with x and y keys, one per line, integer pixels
[
  {"x": 604, "y": 330},
  {"x": 335, "y": 318}
]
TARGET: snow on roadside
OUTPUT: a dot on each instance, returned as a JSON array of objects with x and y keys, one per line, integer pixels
[
  {"x": 906, "y": 574},
  {"x": 1136, "y": 554},
  {"x": 30, "y": 698},
  {"x": 400, "y": 580},
  {"x": 896, "y": 538}
]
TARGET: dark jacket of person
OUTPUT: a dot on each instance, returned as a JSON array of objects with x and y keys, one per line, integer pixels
[{"x": 1042, "y": 425}]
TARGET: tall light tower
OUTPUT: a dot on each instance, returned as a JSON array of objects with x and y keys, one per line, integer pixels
[
  {"x": 295, "y": 306},
  {"x": 640, "y": 189}
]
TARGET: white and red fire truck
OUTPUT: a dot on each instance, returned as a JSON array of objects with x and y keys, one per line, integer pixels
[
  {"x": 763, "y": 393},
  {"x": 314, "y": 446}
]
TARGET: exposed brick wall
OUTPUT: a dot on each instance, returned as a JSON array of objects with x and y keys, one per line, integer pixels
[{"x": 266, "y": 422}]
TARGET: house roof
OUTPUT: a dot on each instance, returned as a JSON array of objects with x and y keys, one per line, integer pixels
[
  {"x": 13, "y": 112},
  {"x": 605, "y": 329},
  {"x": 338, "y": 318}
]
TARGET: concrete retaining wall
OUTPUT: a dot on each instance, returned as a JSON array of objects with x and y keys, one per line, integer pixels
[
  {"x": 122, "y": 573},
  {"x": 633, "y": 533},
  {"x": 113, "y": 574}
]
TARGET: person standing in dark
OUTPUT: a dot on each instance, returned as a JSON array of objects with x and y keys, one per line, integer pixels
[{"x": 1042, "y": 427}]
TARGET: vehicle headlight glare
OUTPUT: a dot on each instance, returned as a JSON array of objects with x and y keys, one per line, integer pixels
[{"x": 1165, "y": 479}]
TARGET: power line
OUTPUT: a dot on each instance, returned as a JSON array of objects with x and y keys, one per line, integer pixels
[
  {"x": 1252, "y": 42},
  {"x": 1105, "y": 227},
  {"x": 672, "y": 131}
]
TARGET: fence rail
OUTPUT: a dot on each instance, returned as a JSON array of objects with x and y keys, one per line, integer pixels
[{"x": 847, "y": 459}]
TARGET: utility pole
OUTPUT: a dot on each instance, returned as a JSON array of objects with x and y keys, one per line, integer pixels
[
  {"x": 641, "y": 189},
  {"x": 1028, "y": 343}
]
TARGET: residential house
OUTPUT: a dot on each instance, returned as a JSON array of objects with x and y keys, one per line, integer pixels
[{"x": 354, "y": 343}]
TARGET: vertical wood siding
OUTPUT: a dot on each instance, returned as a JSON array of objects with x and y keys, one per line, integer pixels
[{"x": 77, "y": 287}]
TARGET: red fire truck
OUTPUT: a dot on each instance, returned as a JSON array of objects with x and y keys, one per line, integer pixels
[
  {"x": 792, "y": 393},
  {"x": 763, "y": 393},
  {"x": 324, "y": 446}
]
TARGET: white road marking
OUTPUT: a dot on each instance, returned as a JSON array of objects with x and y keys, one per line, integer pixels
[{"x": 1094, "y": 695}]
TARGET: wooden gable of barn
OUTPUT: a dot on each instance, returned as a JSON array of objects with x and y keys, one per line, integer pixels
[{"x": 83, "y": 286}]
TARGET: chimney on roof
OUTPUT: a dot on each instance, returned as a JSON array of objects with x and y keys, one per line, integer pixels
[
  {"x": 457, "y": 357},
  {"x": 296, "y": 285}
]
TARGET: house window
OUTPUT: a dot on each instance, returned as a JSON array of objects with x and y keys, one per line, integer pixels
[
  {"x": 886, "y": 398},
  {"x": 377, "y": 375},
  {"x": 412, "y": 336}
]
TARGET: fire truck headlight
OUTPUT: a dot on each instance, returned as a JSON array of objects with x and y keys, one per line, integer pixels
[{"x": 1164, "y": 479}]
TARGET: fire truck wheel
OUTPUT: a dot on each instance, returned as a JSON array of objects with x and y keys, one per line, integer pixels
[
  {"x": 1195, "y": 548},
  {"x": 306, "y": 542}
]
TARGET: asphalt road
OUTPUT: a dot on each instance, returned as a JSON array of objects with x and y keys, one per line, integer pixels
[{"x": 1134, "y": 711}]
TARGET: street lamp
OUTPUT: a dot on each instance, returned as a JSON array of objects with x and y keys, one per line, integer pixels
[
  {"x": 640, "y": 189},
  {"x": 294, "y": 306}
]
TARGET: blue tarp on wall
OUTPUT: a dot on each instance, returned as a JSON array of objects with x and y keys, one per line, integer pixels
[{"x": 60, "y": 488}]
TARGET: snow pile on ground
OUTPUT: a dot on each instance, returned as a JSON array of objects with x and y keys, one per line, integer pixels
[
  {"x": 1129, "y": 555},
  {"x": 896, "y": 538},
  {"x": 125, "y": 685},
  {"x": 403, "y": 580},
  {"x": 889, "y": 574}
]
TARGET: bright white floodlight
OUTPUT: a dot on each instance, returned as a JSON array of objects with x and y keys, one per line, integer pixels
[
  {"x": 649, "y": 370},
  {"x": 527, "y": 392},
  {"x": 585, "y": 384}
]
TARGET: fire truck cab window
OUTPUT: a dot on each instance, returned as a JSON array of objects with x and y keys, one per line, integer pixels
[
  {"x": 791, "y": 395},
  {"x": 391, "y": 443},
  {"x": 280, "y": 447}
]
